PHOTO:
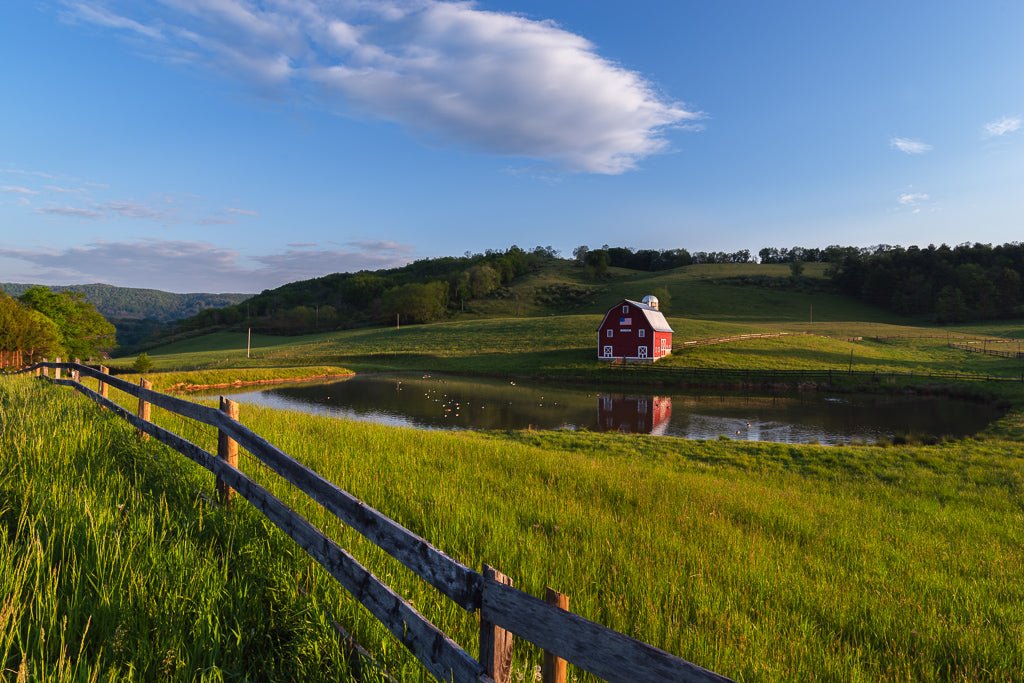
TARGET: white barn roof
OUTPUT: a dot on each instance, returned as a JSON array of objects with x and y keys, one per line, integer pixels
[{"x": 654, "y": 317}]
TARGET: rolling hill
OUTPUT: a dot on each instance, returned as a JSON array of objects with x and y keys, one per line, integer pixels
[{"x": 135, "y": 303}]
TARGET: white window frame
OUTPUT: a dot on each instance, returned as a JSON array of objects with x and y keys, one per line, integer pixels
[
  {"x": 625, "y": 309},
  {"x": 609, "y": 332},
  {"x": 641, "y": 333}
]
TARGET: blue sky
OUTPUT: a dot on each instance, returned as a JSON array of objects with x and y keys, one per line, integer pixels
[{"x": 234, "y": 145}]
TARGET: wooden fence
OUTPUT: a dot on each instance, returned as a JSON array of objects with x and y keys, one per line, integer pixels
[
  {"x": 503, "y": 609},
  {"x": 985, "y": 347}
]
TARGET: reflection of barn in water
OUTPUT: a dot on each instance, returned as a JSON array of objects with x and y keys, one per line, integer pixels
[{"x": 633, "y": 414}]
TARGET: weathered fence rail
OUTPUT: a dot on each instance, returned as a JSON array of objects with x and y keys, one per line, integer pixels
[
  {"x": 503, "y": 610},
  {"x": 983, "y": 347}
]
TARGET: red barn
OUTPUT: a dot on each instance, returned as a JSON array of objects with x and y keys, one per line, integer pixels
[{"x": 633, "y": 330}]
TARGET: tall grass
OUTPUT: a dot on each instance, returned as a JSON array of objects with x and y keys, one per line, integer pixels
[
  {"x": 761, "y": 561},
  {"x": 114, "y": 564}
]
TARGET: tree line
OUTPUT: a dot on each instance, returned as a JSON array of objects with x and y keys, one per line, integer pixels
[
  {"x": 42, "y": 323},
  {"x": 422, "y": 291},
  {"x": 950, "y": 284}
]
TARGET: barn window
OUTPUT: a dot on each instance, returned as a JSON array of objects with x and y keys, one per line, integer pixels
[
  {"x": 625, "y": 309},
  {"x": 609, "y": 332},
  {"x": 641, "y": 333}
]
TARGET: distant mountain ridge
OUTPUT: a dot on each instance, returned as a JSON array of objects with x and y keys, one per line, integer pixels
[{"x": 119, "y": 303}]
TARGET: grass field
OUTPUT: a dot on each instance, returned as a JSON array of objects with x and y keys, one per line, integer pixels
[
  {"x": 761, "y": 561},
  {"x": 563, "y": 347}
]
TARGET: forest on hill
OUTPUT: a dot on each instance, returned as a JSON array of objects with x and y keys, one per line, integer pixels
[
  {"x": 136, "y": 303},
  {"x": 941, "y": 284}
]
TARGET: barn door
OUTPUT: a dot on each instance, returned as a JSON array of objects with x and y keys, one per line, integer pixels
[
  {"x": 607, "y": 352},
  {"x": 641, "y": 352}
]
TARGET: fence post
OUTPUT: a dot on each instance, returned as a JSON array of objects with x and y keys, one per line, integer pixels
[
  {"x": 144, "y": 408},
  {"x": 495, "y": 642},
  {"x": 227, "y": 450},
  {"x": 39, "y": 371},
  {"x": 103, "y": 385},
  {"x": 74, "y": 373},
  {"x": 553, "y": 670},
  {"x": 56, "y": 371}
]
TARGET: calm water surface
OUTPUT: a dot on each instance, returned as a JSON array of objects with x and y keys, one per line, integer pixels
[{"x": 449, "y": 402}]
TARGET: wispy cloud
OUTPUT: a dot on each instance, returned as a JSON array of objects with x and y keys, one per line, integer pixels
[
  {"x": 228, "y": 216},
  {"x": 494, "y": 81},
  {"x": 26, "y": 172},
  {"x": 188, "y": 266},
  {"x": 1000, "y": 127},
  {"x": 19, "y": 190},
  {"x": 114, "y": 209},
  {"x": 912, "y": 198},
  {"x": 70, "y": 211},
  {"x": 66, "y": 190},
  {"x": 909, "y": 146},
  {"x": 99, "y": 15}
]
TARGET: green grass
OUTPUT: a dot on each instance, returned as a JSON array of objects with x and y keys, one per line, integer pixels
[
  {"x": 564, "y": 347},
  {"x": 761, "y": 561},
  {"x": 115, "y": 566},
  {"x": 177, "y": 381}
]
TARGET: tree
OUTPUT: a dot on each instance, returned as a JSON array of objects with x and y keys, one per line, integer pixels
[
  {"x": 84, "y": 332},
  {"x": 143, "y": 363},
  {"x": 796, "y": 268},
  {"x": 27, "y": 331},
  {"x": 415, "y": 302},
  {"x": 598, "y": 262},
  {"x": 483, "y": 280},
  {"x": 580, "y": 254},
  {"x": 950, "y": 306}
]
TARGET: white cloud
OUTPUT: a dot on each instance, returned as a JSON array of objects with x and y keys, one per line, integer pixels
[
  {"x": 493, "y": 81},
  {"x": 242, "y": 212},
  {"x": 119, "y": 208},
  {"x": 908, "y": 146},
  {"x": 71, "y": 211},
  {"x": 912, "y": 198},
  {"x": 23, "y": 172},
  {"x": 1007, "y": 124},
  {"x": 186, "y": 266},
  {"x": 17, "y": 189},
  {"x": 99, "y": 15},
  {"x": 66, "y": 190}
]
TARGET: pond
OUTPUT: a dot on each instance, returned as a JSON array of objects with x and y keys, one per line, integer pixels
[{"x": 449, "y": 402}]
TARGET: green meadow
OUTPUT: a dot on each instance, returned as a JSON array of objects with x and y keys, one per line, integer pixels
[{"x": 760, "y": 561}]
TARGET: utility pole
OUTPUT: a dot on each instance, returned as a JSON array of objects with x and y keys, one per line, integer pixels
[
  {"x": 248, "y": 344},
  {"x": 398, "y": 321},
  {"x": 812, "y": 314}
]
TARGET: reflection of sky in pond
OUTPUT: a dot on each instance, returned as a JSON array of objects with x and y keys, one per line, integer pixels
[{"x": 449, "y": 402}]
